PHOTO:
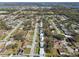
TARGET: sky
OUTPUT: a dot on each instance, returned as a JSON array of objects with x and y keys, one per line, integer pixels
[{"x": 39, "y": 0}]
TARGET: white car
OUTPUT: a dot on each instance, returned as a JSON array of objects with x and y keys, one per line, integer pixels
[
  {"x": 41, "y": 34},
  {"x": 42, "y": 39},
  {"x": 42, "y": 52},
  {"x": 41, "y": 44}
]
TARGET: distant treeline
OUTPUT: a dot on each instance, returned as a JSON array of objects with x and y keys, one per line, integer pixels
[{"x": 8, "y": 9}]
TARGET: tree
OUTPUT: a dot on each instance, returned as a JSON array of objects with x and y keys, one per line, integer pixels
[
  {"x": 19, "y": 36},
  {"x": 12, "y": 46},
  {"x": 77, "y": 38},
  {"x": 59, "y": 36},
  {"x": 2, "y": 25},
  {"x": 48, "y": 44}
]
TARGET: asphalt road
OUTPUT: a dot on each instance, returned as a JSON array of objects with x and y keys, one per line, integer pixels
[
  {"x": 42, "y": 52},
  {"x": 64, "y": 41},
  {"x": 34, "y": 40},
  {"x": 8, "y": 36},
  {"x": 57, "y": 30}
]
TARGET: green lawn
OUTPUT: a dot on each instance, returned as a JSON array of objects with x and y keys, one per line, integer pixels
[
  {"x": 37, "y": 50},
  {"x": 2, "y": 37},
  {"x": 27, "y": 50},
  {"x": 53, "y": 53}
]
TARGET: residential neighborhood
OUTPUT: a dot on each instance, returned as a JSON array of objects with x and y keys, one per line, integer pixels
[{"x": 39, "y": 30}]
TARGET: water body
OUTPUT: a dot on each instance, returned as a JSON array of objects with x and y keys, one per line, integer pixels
[
  {"x": 44, "y": 4},
  {"x": 8, "y": 6}
]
